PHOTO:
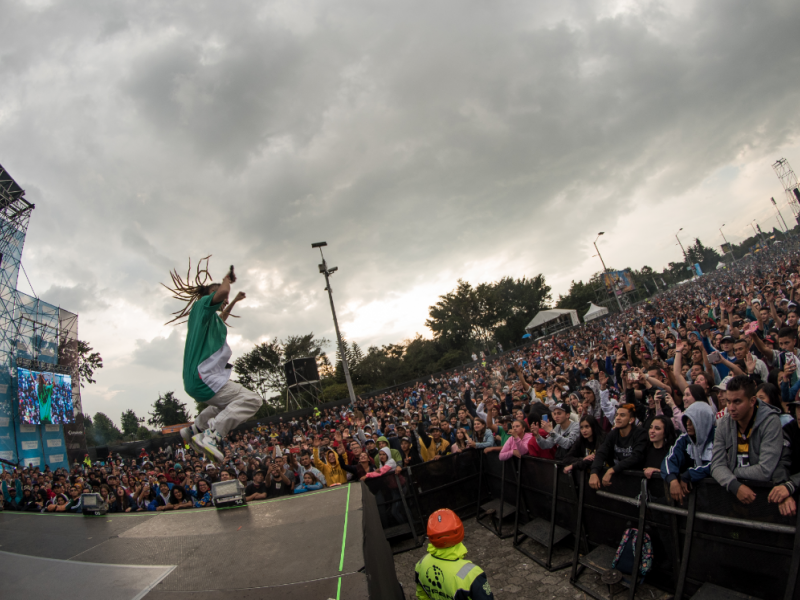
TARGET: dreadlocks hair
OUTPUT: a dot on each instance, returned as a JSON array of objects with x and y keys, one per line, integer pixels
[{"x": 188, "y": 292}]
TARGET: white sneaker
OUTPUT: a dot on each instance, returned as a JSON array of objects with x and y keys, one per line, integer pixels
[
  {"x": 209, "y": 442},
  {"x": 188, "y": 433}
]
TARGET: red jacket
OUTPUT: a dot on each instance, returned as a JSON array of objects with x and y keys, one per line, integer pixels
[{"x": 535, "y": 450}]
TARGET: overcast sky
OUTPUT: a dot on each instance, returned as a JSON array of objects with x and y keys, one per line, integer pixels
[{"x": 423, "y": 141}]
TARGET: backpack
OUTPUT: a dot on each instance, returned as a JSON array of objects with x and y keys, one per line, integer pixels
[{"x": 623, "y": 560}]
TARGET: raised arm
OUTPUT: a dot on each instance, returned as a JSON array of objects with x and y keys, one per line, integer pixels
[
  {"x": 317, "y": 462},
  {"x": 224, "y": 290},
  {"x": 774, "y": 313},
  {"x": 732, "y": 366},
  {"x": 676, "y": 366},
  {"x": 521, "y": 375},
  {"x": 759, "y": 344},
  {"x": 227, "y": 312},
  {"x": 490, "y": 424},
  {"x": 426, "y": 440}
]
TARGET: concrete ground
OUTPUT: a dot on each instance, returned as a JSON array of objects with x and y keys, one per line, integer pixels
[{"x": 511, "y": 574}]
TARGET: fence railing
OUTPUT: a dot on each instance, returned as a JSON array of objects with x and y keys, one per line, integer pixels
[{"x": 712, "y": 539}]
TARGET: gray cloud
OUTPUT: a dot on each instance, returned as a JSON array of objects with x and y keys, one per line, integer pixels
[
  {"x": 419, "y": 140},
  {"x": 79, "y": 299},
  {"x": 165, "y": 354}
]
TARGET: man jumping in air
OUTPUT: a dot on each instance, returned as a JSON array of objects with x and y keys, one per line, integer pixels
[
  {"x": 44, "y": 393},
  {"x": 206, "y": 367}
]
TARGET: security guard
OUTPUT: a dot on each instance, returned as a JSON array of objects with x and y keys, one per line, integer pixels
[{"x": 444, "y": 574}]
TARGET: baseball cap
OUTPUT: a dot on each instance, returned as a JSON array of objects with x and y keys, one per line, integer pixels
[
  {"x": 561, "y": 406},
  {"x": 723, "y": 385},
  {"x": 540, "y": 380},
  {"x": 210, "y": 466}
]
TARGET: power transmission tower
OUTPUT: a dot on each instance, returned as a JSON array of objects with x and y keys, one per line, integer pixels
[{"x": 789, "y": 183}]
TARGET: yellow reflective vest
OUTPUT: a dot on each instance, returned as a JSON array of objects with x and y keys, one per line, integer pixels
[{"x": 444, "y": 572}]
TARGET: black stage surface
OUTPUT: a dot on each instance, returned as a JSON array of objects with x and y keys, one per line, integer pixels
[{"x": 306, "y": 546}]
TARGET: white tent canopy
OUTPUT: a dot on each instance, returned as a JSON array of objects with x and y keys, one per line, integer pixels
[
  {"x": 547, "y": 321},
  {"x": 595, "y": 312}
]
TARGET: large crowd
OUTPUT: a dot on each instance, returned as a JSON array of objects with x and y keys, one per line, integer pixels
[{"x": 699, "y": 381}]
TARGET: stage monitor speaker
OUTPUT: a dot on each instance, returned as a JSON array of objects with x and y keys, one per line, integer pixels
[{"x": 300, "y": 371}]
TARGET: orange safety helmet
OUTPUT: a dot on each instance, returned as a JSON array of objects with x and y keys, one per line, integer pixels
[{"x": 445, "y": 529}]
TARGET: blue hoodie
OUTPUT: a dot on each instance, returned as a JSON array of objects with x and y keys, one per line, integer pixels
[
  {"x": 691, "y": 459},
  {"x": 17, "y": 497},
  {"x": 307, "y": 487}
]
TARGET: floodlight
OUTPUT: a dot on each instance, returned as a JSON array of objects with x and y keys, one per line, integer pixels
[
  {"x": 93, "y": 505},
  {"x": 227, "y": 493},
  {"x": 319, "y": 244}
]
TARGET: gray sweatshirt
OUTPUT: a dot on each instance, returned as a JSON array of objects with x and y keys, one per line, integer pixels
[
  {"x": 766, "y": 448},
  {"x": 563, "y": 438}
]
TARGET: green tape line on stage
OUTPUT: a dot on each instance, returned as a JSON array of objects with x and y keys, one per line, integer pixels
[{"x": 344, "y": 541}]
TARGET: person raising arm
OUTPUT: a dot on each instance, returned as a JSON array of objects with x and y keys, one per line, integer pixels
[{"x": 227, "y": 307}]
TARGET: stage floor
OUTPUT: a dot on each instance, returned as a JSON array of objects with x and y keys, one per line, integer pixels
[{"x": 292, "y": 547}]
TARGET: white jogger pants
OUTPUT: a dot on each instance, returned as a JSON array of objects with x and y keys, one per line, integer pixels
[{"x": 232, "y": 405}]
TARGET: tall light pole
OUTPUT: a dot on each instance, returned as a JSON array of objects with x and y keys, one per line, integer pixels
[
  {"x": 733, "y": 256},
  {"x": 685, "y": 258},
  {"x": 323, "y": 268},
  {"x": 605, "y": 270}
]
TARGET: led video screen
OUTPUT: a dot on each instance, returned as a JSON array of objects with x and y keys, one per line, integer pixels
[{"x": 44, "y": 398}]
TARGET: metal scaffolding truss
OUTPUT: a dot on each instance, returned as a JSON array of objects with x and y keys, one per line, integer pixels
[
  {"x": 789, "y": 182},
  {"x": 304, "y": 393},
  {"x": 604, "y": 298},
  {"x": 34, "y": 334},
  {"x": 15, "y": 214},
  {"x": 68, "y": 353}
]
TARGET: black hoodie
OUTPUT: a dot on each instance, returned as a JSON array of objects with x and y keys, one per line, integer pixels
[{"x": 623, "y": 453}]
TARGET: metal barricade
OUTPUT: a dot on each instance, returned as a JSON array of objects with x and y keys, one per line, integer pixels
[
  {"x": 614, "y": 506},
  {"x": 711, "y": 519},
  {"x": 406, "y": 500},
  {"x": 547, "y": 500},
  {"x": 393, "y": 509},
  {"x": 692, "y": 544},
  {"x": 449, "y": 482},
  {"x": 716, "y": 519},
  {"x": 500, "y": 477}
]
